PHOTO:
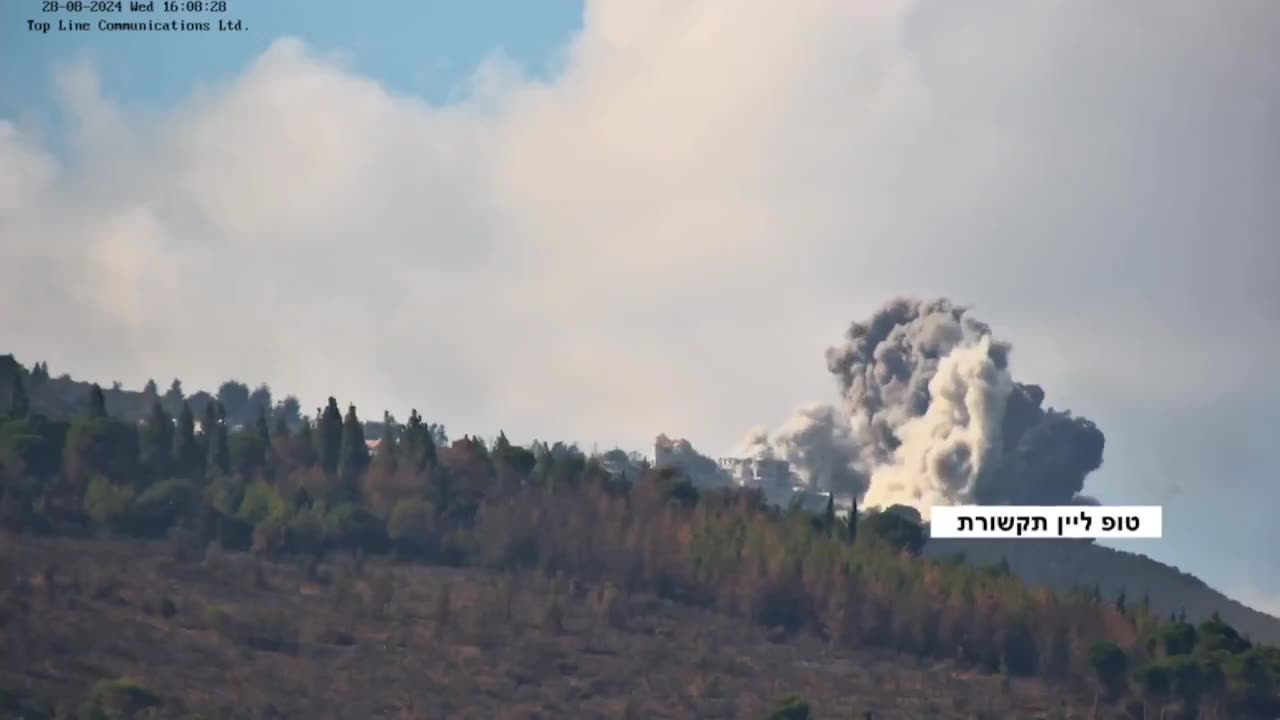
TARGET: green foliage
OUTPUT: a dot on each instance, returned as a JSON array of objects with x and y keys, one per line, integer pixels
[
  {"x": 1153, "y": 680},
  {"x": 330, "y": 428},
  {"x": 262, "y": 503},
  {"x": 1109, "y": 664},
  {"x": 348, "y": 525},
  {"x": 1216, "y": 635},
  {"x": 233, "y": 396},
  {"x": 247, "y": 452},
  {"x": 106, "y": 502},
  {"x": 355, "y": 453},
  {"x": 790, "y": 708},
  {"x": 547, "y": 507},
  {"x": 186, "y": 452},
  {"x": 1179, "y": 638},
  {"x": 159, "y": 507},
  {"x": 103, "y": 446},
  {"x": 122, "y": 698},
  {"x": 32, "y": 445},
  {"x": 410, "y": 526},
  {"x": 224, "y": 494},
  {"x": 894, "y": 530},
  {"x": 156, "y": 440},
  {"x": 218, "y": 446}
]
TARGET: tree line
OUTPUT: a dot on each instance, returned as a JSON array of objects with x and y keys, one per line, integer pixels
[{"x": 315, "y": 487}]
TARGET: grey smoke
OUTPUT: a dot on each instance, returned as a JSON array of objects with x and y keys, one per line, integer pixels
[{"x": 930, "y": 414}]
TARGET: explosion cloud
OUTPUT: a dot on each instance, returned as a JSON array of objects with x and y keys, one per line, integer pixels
[{"x": 930, "y": 414}]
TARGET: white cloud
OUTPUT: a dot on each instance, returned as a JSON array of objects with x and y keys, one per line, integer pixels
[{"x": 667, "y": 234}]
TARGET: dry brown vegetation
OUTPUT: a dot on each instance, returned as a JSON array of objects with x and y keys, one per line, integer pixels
[{"x": 229, "y": 635}]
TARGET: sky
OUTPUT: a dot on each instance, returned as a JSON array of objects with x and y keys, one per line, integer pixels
[{"x": 600, "y": 222}]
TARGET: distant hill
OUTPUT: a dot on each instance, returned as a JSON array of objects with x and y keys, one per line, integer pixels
[{"x": 1064, "y": 564}]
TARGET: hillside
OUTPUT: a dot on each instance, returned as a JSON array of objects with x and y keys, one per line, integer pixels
[
  {"x": 231, "y": 636},
  {"x": 1064, "y": 565},
  {"x": 282, "y": 498}
]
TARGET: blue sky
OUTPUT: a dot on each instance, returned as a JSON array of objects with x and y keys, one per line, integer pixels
[
  {"x": 673, "y": 209},
  {"x": 421, "y": 48}
]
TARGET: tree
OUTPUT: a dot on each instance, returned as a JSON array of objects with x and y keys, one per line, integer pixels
[
  {"x": 851, "y": 522},
  {"x": 218, "y": 459},
  {"x": 895, "y": 530},
  {"x": 157, "y": 440},
  {"x": 829, "y": 515},
  {"x": 234, "y": 397},
  {"x": 185, "y": 449},
  {"x": 259, "y": 400},
  {"x": 330, "y": 427},
  {"x": 19, "y": 403},
  {"x": 150, "y": 389},
  {"x": 386, "y": 458},
  {"x": 1154, "y": 681},
  {"x": 1216, "y": 635},
  {"x": 419, "y": 449},
  {"x": 355, "y": 453},
  {"x": 1187, "y": 680},
  {"x": 410, "y": 526},
  {"x": 289, "y": 411},
  {"x": 1179, "y": 638},
  {"x": 1109, "y": 664},
  {"x": 97, "y": 402},
  {"x": 264, "y": 433},
  {"x": 302, "y": 447},
  {"x": 174, "y": 395}
]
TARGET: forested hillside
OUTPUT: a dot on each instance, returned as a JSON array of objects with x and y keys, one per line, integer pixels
[
  {"x": 266, "y": 488},
  {"x": 1115, "y": 574}
]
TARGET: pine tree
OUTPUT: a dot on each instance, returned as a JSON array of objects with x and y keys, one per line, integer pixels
[
  {"x": 19, "y": 403},
  {"x": 355, "y": 453},
  {"x": 330, "y": 426},
  {"x": 97, "y": 402},
  {"x": 829, "y": 515},
  {"x": 150, "y": 389}
]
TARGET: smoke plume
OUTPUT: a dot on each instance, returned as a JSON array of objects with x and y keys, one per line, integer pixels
[{"x": 930, "y": 414}]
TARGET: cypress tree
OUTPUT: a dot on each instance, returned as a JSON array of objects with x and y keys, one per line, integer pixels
[
  {"x": 386, "y": 458},
  {"x": 851, "y": 522},
  {"x": 158, "y": 439},
  {"x": 419, "y": 446},
  {"x": 97, "y": 402},
  {"x": 302, "y": 447},
  {"x": 264, "y": 438},
  {"x": 185, "y": 449},
  {"x": 829, "y": 515},
  {"x": 355, "y": 453},
  {"x": 330, "y": 427},
  {"x": 218, "y": 460}
]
